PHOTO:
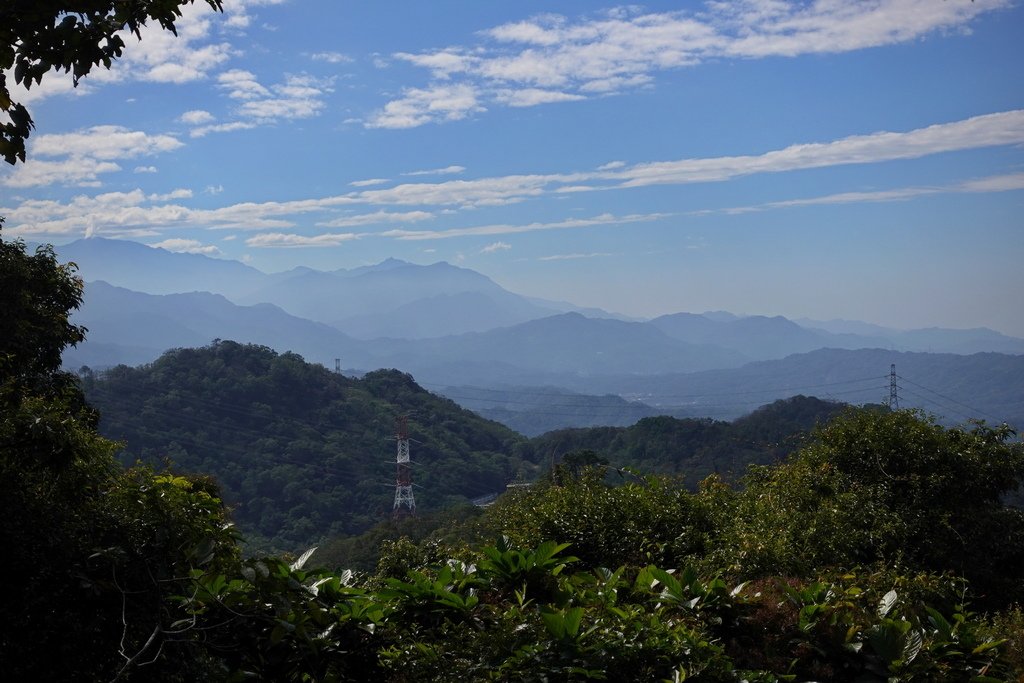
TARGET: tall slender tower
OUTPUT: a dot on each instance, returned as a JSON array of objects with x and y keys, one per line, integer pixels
[
  {"x": 894, "y": 399},
  {"x": 404, "y": 497}
]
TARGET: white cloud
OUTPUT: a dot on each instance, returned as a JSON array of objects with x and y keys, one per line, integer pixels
[
  {"x": 196, "y": 117},
  {"x": 297, "y": 97},
  {"x": 277, "y": 239},
  {"x": 104, "y": 142},
  {"x": 180, "y": 193},
  {"x": 998, "y": 183},
  {"x": 369, "y": 182},
  {"x": 508, "y": 229},
  {"x": 238, "y": 15},
  {"x": 164, "y": 57},
  {"x": 990, "y": 130},
  {"x": 550, "y": 58},
  {"x": 144, "y": 169},
  {"x": 495, "y": 191},
  {"x": 82, "y": 156},
  {"x": 222, "y": 128},
  {"x": 331, "y": 57},
  {"x": 611, "y": 166},
  {"x": 495, "y": 247},
  {"x": 186, "y": 246},
  {"x": 421, "y": 105},
  {"x": 377, "y": 217},
  {"x": 54, "y": 83},
  {"x": 415, "y": 201},
  {"x": 531, "y": 97},
  {"x": 80, "y": 171},
  {"x": 570, "y": 257},
  {"x": 213, "y": 189},
  {"x": 447, "y": 170},
  {"x": 241, "y": 85}
]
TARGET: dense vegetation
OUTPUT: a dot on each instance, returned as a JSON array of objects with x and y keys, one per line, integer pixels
[
  {"x": 300, "y": 453},
  {"x": 863, "y": 557},
  {"x": 93, "y": 553},
  {"x": 695, "y": 448}
]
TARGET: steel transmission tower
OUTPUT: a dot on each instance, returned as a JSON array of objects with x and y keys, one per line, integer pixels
[
  {"x": 404, "y": 497},
  {"x": 894, "y": 399}
]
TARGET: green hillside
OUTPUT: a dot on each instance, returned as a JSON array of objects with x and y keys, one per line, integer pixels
[
  {"x": 304, "y": 454},
  {"x": 300, "y": 452},
  {"x": 694, "y": 448}
]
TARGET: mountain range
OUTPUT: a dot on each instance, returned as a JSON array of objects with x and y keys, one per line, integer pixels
[{"x": 451, "y": 326}]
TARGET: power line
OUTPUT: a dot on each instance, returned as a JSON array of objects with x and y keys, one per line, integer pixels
[
  {"x": 951, "y": 400},
  {"x": 935, "y": 403},
  {"x": 747, "y": 392}
]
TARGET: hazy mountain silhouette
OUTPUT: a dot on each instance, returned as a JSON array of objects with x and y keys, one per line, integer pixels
[
  {"x": 152, "y": 270},
  {"x": 145, "y": 325}
]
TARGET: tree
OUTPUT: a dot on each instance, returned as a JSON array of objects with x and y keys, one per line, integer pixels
[
  {"x": 37, "y": 36},
  {"x": 85, "y": 541},
  {"x": 890, "y": 487},
  {"x": 37, "y": 296}
]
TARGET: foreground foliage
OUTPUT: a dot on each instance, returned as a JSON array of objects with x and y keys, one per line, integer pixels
[{"x": 511, "y": 614}]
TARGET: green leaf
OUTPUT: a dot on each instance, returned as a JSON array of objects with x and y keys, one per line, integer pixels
[{"x": 986, "y": 646}]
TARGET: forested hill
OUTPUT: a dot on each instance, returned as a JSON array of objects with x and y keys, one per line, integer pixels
[
  {"x": 695, "y": 448},
  {"x": 304, "y": 454},
  {"x": 301, "y": 453}
]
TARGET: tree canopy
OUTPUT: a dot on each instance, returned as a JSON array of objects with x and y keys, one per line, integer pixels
[
  {"x": 38, "y": 294},
  {"x": 38, "y": 36}
]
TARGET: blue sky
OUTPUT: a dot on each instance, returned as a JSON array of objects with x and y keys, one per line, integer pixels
[{"x": 822, "y": 159}]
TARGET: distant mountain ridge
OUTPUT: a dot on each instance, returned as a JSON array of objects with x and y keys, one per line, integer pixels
[
  {"x": 453, "y": 326},
  {"x": 397, "y": 299},
  {"x": 146, "y": 325},
  {"x": 430, "y": 300}
]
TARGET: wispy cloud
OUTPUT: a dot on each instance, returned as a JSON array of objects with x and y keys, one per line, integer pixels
[
  {"x": 297, "y": 97},
  {"x": 80, "y": 158},
  {"x": 999, "y": 183},
  {"x": 572, "y": 257},
  {"x": 376, "y": 218},
  {"x": 180, "y": 193},
  {"x": 531, "y": 97},
  {"x": 187, "y": 246},
  {"x": 240, "y": 84},
  {"x": 990, "y": 130},
  {"x": 550, "y": 58},
  {"x": 369, "y": 182},
  {"x": 331, "y": 57},
  {"x": 417, "y": 106},
  {"x": 495, "y": 247},
  {"x": 422, "y": 201},
  {"x": 512, "y": 229},
  {"x": 277, "y": 239},
  {"x": 447, "y": 170}
]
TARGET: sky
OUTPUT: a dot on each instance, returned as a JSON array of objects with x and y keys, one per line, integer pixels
[{"x": 827, "y": 159}]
